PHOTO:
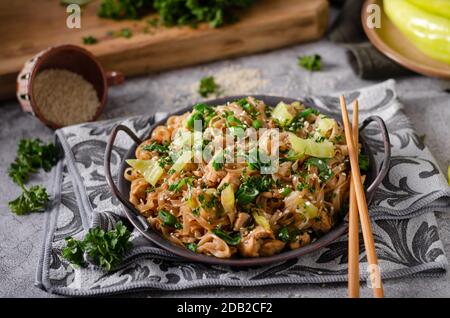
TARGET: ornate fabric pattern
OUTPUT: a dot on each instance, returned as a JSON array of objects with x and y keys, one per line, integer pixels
[{"x": 402, "y": 211}]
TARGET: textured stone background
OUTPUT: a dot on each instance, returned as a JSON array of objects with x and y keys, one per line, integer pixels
[{"x": 427, "y": 103}]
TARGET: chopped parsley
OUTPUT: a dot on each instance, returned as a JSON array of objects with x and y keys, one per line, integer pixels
[
  {"x": 363, "y": 162},
  {"x": 249, "y": 108},
  {"x": 125, "y": 33},
  {"x": 105, "y": 248},
  {"x": 207, "y": 86},
  {"x": 309, "y": 111},
  {"x": 164, "y": 161},
  {"x": 257, "y": 124},
  {"x": 89, "y": 40},
  {"x": 192, "y": 247},
  {"x": 310, "y": 62},
  {"x": 320, "y": 139},
  {"x": 159, "y": 148},
  {"x": 203, "y": 113},
  {"x": 124, "y": 9},
  {"x": 286, "y": 235},
  {"x": 286, "y": 191},
  {"x": 32, "y": 154},
  {"x": 209, "y": 202},
  {"x": 196, "y": 211},
  {"x": 251, "y": 187},
  {"x": 33, "y": 199},
  {"x": 257, "y": 160},
  {"x": 177, "y": 186},
  {"x": 325, "y": 172},
  {"x": 302, "y": 186},
  {"x": 169, "y": 219}
]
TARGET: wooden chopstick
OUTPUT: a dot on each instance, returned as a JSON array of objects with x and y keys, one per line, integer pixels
[
  {"x": 372, "y": 259},
  {"x": 353, "y": 224}
]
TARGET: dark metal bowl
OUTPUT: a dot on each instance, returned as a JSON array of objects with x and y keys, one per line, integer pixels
[{"x": 373, "y": 178}]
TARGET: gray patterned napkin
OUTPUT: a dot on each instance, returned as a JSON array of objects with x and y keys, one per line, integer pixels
[{"x": 406, "y": 235}]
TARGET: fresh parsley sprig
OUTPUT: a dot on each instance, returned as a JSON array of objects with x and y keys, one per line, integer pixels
[
  {"x": 31, "y": 200},
  {"x": 207, "y": 86},
  {"x": 32, "y": 154},
  {"x": 105, "y": 249},
  {"x": 310, "y": 62}
]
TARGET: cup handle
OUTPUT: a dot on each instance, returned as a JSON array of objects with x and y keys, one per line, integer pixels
[
  {"x": 384, "y": 169},
  {"x": 114, "y": 78}
]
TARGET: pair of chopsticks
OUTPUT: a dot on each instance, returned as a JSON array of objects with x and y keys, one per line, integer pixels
[{"x": 357, "y": 204}]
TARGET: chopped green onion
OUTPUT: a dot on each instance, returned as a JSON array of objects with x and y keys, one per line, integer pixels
[
  {"x": 246, "y": 195},
  {"x": 192, "y": 247},
  {"x": 168, "y": 219},
  {"x": 309, "y": 111},
  {"x": 286, "y": 191},
  {"x": 257, "y": 124},
  {"x": 284, "y": 235},
  {"x": 227, "y": 237}
]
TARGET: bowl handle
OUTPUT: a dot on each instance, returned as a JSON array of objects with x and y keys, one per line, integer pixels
[
  {"x": 387, "y": 152},
  {"x": 107, "y": 162}
]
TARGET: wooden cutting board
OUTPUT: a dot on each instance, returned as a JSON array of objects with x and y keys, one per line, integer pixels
[{"x": 28, "y": 27}]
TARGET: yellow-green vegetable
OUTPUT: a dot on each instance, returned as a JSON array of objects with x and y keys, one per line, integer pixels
[
  {"x": 181, "y": 162},
  {"x": 150, "y": 169},
  {"x": 439, "y": 7},
  {"x": 325, "y": 124},
  {"x": 282, "y": 115},
  {"x": 227, "y": 199},
  {"x": 261, "y": 220},
  {"x": 303, "y": 206},
  {"x": 324, "y": 149},
  {"x": 311, "y": 210},
  {"x": 448, "y": 175},
  {"x": 430, "y": 33}
]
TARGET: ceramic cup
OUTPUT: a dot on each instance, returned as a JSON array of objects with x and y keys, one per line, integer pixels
[{"x": 69, "y": 57}]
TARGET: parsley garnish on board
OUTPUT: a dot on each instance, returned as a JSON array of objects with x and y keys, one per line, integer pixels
[
  {"x": 79, "y": 2},
  {"x": 207, "y": 86},
  {"x": 310, "y": 62},
  {"x": 175, "y": 12},
  {"x": 188, "y": 12},
  {"x": 32, "y": 154},
  {"x": 89, "y": 40},
  {"x": 124, "y": 9},
  {"x": 125, "y": 33},
  {"x": 105, "y": 249}
]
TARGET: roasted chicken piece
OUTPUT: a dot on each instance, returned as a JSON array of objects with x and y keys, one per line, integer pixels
[{"x": 251, "y": 244}]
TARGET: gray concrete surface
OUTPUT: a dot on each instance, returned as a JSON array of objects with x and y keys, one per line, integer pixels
[{"x": 426, "y": 101}]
